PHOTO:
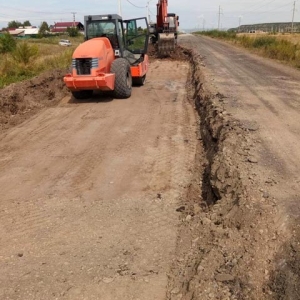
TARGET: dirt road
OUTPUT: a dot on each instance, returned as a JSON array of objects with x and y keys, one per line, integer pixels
[
  {"x": 89, "y": 193},
  {"x": 142, "y": 199},
  {"x": 263, "y": 96},
  {"x": 258, "y": 102}
]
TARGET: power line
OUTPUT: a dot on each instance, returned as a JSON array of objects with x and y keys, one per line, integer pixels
[
  {"x": 263, "y": 12},
  {"x": 32, "y": 11},
  {"x": 260, "y": 2},
  {"x": 260, "y": 6},
  {"x": 151, "y": 12},
  {"x": 135, "y": 5}
]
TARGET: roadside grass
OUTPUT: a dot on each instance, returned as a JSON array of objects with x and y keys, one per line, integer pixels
[
  {"x": 227, "y": 35},
  {"x": 285, "y": 48},
  {"x": 34, "y": 56}
]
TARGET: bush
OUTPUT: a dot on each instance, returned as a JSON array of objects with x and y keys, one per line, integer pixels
[
  {"x": 73, "y": 31},
  {"x": 219, "y": 34},
  {"x": 272, "y": 47},
  {"x": 282, "y": 50},
  {"x": 11, "y": 71},
  {"x": 62, "y": 61},
  {"x": 265, "y": 41},
  {"x": 245, "y": 41},
  {"x": 25, "y": 52},
  {"x": 18, "y": 66},
  {"x": 7, "y": 43}
]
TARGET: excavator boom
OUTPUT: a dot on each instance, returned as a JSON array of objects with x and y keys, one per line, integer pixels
[
  {"x": 162, "y": 12},
  {"x": 166, "y": 28}
]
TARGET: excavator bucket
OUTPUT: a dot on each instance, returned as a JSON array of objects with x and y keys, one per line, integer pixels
[{"x": 166, "y": 43}]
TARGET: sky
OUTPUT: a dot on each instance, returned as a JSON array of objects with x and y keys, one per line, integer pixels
[{"x": 193, "y": 14}]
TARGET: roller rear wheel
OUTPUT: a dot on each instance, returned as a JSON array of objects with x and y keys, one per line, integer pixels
[{"x": 123, "y": 79}]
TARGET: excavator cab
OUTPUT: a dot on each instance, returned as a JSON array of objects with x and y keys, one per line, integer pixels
[{"x": 112, "y": 58}]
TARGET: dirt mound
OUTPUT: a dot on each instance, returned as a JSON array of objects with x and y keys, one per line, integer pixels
[
  {"x": 21, "y": 100},
  {"x": 180, "y": 54}
]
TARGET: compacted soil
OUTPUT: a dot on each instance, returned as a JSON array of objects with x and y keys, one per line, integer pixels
[
  {"x": 90, "y": 189},
  {"x": 187, "y": 190}
]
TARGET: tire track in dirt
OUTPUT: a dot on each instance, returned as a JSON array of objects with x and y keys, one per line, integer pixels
[{"x": 91, "y": 194}]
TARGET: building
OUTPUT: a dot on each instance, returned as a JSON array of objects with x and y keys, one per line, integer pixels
[
  {"x": 61, "y": 27},
  {"x": 23, "y": 32}
]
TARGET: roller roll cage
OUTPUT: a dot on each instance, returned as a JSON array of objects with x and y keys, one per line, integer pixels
[{"x": 125, "y": 35}]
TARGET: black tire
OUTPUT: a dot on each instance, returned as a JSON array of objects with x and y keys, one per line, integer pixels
[
  {"x": 123, "y": 81},
  {"x": 139, "y": 81},
  {"x": 84, "y": 94}
]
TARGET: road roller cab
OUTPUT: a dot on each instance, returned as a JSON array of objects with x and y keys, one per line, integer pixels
[{"x": 112, "y": 58}]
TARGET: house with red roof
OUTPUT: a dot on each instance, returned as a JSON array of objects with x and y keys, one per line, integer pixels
[{"x": 61, "y": 27}]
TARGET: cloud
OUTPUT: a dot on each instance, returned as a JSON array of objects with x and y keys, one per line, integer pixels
[{"x": 256, "y": 11}]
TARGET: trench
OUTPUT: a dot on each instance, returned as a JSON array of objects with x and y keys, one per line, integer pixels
[
  {"x": 221, "y": 252},
  {"x": 224, "y": 247}
]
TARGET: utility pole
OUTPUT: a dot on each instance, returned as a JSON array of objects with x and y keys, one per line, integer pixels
[
  {"x": 73, "y": 13},
  {"x": 219, "y": 17},
  {"x": 294, "y": 8},
  {"x": 240, "y": 20},
  {"x": 148, "y": 12},
  {"x": 120, "y": 8},
  {"x": 203, "y": 24}
]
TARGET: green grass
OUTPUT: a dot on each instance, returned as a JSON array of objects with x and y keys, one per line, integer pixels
[
  {"x": 53, "y": 40},
  {"x": 268, "y": 46},
  {"x": 34, "y": 56},
  {"x": 218, "y": 34}
]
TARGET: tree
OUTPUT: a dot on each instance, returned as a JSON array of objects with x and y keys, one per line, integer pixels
[
  {"x": 7, "y": 43},
  {"x": 44, "y": 29},
  {"x": 14, "y": 24},
  {"x": 27, "y": 23},
  {"x": 25, "y": 52},
  {"x": 73, "y": 31}
]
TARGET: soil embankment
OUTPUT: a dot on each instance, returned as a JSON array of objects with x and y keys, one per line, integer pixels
[{"x": 20, "y": 101}]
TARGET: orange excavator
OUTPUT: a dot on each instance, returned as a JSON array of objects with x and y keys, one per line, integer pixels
[
  {"x": 112, "y": 58},
  {"x": 164, "y": 32}
]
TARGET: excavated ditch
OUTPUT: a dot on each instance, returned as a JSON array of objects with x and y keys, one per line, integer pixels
[
  {"x": 229, "y": 242},
  {"x": 230, "y": 235}
]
